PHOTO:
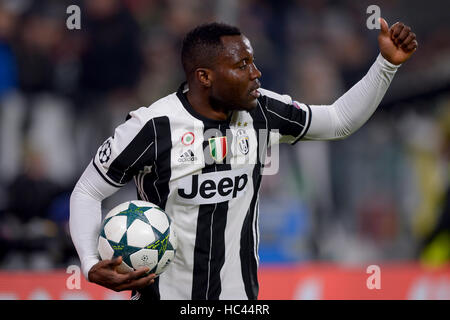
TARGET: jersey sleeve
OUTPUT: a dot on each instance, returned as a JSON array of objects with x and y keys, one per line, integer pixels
[
  {"x": 289, "y": 120},
  {"x": 350, "y": 111},
  {"x": 125, "y": 153}
]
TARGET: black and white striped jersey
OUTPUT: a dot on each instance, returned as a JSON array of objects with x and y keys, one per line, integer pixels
[{"x": 206, "y": 175}]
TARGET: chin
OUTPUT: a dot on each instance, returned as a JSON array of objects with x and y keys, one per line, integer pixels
[
  {"x": 250, "y": 105},
  {"x": 253, "y": 104}
]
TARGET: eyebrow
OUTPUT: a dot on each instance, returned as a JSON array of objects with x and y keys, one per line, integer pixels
[
  {"x": 246, "y": 59},
  {"x": 241, "y": 54}
]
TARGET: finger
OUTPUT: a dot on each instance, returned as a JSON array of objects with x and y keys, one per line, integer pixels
[
  {"x": 391, "y": 30},
  {"x": 115, "y": 261},
  {"x": 396, "y": 29},
  {"x": 108, "y": 263},
  {"x": 137, "y": 284},
  {"x": 403, "y": 34},
  {"x": 411, "y": 36},
  {"x": 130, "y": 280},
  {"x": 137, "y": 273},
  {"x": 384, "y": 28},
  {"x": 412, "y": 46}
]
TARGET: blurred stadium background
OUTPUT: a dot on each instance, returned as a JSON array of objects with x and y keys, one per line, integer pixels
[{"x": 380, "y": 197}]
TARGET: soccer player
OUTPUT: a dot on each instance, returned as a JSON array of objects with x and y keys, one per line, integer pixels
[{"x": 198, "y": 154}]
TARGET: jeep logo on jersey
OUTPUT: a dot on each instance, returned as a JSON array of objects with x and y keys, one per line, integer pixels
[{"x": 213, "y": 187}]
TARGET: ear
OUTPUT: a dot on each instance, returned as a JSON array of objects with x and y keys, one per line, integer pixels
[{"x": 204, "y": 76}]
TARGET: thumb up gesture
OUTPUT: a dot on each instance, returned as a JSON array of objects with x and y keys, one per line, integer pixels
[{"x": 397, "y": 43}]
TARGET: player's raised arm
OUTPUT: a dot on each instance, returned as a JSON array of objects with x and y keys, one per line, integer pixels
[{"x": 354, "y": 108}]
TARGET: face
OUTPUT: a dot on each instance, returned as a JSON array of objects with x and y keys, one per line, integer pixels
[{"x": 235, "y": 78}]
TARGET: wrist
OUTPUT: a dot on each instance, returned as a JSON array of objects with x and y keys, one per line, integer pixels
[
  {"x": 87, "y": 266},
  {"x": 386, "y": 64}
]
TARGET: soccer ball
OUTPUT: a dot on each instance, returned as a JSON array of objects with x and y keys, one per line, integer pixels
[{"x": 141, "y": 233}]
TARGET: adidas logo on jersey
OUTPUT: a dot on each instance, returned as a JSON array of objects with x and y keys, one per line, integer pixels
[{"x": 187, "y": 156}]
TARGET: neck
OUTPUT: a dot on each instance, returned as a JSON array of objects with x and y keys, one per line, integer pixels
[{"x": 201, "y": 104}]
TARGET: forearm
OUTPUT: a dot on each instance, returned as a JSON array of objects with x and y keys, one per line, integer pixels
[
  {"x": 355, "y": 107},
  {"x": 86, "y": 215}
]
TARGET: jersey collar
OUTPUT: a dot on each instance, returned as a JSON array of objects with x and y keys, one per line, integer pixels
[{"x": 181, "y": 94}]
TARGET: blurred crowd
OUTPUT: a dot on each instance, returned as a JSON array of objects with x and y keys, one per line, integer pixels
[{"x": 382, "y": 194}]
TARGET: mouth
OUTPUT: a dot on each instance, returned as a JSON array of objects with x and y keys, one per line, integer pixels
[{"x": 254, "y": 91}]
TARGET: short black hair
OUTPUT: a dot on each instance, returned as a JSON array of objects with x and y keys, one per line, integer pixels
[{"x": 202, "y": 44}]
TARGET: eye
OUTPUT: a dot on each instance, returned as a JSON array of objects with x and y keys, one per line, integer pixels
[{"x": 243, "y": 66}]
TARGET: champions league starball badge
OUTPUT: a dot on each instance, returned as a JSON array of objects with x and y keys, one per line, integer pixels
[{"x": 105, "y": 152}]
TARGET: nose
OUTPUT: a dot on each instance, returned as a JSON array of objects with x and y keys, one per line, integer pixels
[{"x": 255, "y": 73}]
